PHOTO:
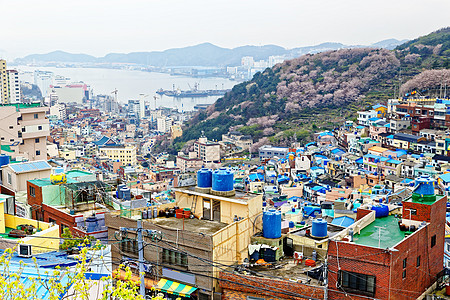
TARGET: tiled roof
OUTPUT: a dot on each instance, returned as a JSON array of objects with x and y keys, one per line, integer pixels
[{"x": 30, "y": 166}]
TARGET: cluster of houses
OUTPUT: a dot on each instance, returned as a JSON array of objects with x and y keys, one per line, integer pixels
[{"x": 358, "y": 213}]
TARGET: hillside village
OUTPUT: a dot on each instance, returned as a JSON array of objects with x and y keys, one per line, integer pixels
[
  {"x": 212, "y": 205},
  {"x": 358, "y": 211}
]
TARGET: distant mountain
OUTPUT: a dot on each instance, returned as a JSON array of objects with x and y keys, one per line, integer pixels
[
  {"x": 290, "y": 101},
  {"x": 389, "y": 44},
  {"x": 57, "y": 56},
  {"x": 205, "y": 54}
]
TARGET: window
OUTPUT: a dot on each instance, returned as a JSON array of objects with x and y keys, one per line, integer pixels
[
  {"x": 356, "y": 282},
  {"x": 11, "y": 127},
  {"x": 39, "y": 127},
  {"x": 36, "y": 116},
  {"x": 404, "y": 263},
  {"x": 418, "y": 261},
  {"x": 36, "y": 140},
  {"x": 433, "y": 241},
  {"x": 32, "y": 191},
  {"x": 174, "y": 258},
  {"x": 404, "y": 273},
  {"x": 38, "y": 152},
  {"x": 9, "y": 178}
]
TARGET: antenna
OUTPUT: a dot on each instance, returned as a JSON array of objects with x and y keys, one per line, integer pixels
[{"x": 379, "y": 235}]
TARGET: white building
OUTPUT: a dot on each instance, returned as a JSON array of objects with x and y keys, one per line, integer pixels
[
  {"x": 247, "y": 61},
  {"x": 164, "y": 123},
  {"x": 364, "y": 116},
  {"x": 207, "y": 151},
  {"x": 73, "y": 93},
  {"x": 43, "y": 79},
  {"x": 13, "y": 86},
  {"x": 58, "y": 110}
]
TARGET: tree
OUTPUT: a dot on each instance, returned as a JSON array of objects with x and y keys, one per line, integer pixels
[{"x": 13, "y": 287}]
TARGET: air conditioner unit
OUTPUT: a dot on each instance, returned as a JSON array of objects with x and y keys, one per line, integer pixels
[{"x": 24, "y": 250}]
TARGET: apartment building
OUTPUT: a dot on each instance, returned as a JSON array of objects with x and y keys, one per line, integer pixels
[
  {"x": 14, "y": 95},
  {"x": 3, "y": 82},
  {"x": 24, "y": 130},
  {"x": 125, "y": 154},
  {"x": 207, "y": 151}
]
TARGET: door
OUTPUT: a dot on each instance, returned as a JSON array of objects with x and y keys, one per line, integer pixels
[
  {"x": 207, "y": 209},
  {"x": 288, "y": 247},
  {"x": 216, "y": 210}
]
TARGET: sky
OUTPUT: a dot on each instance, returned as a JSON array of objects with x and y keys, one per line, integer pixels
[{"x": 98, "y": 27}]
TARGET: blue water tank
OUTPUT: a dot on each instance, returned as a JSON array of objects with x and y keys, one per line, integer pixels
[
  {"x": 381, "y": 210},
  {"x": 91, "y": 223},
  {"x": 425, "y": 185},
  {"x": 319, "y": 228},
  {"x": 204, "y": 178},
  {"x": 4, "y": 160},
  {"x": 291, "y": 224},
  {"x": 222, "y": 180},
  {"x": 119, "y": 190},
  {"x": 126, "y": 194},
  {"x": 272, "y": 224}
]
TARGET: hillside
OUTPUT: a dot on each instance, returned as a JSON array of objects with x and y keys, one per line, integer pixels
[
  {"x": 205, "y": 54},
  {"x": 289, "y": 101}
]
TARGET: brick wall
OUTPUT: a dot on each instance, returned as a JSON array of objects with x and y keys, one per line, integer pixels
[
  {"x": 59, "y": 217},
  {"x": 360, "y": 259},
  {"x": 36, "y": 201},
  {"x": 236, "y": 286}
]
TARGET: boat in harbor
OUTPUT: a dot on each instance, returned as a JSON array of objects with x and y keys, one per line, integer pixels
[{"x": 195, "y": 92}]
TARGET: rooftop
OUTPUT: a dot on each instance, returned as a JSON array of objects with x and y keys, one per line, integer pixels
[
  {"x": 381, "y": 233},
  {"x": 30, "y": 166},
  {"x": 239, "y": 197},
  {"x": 194, "y": 225}
]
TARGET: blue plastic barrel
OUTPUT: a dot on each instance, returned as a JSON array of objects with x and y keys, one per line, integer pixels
[
  {"x": 272, "y": 224},
  {"x": 319, "y": 228}
]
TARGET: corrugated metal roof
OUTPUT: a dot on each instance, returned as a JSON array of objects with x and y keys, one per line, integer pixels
[{"x": 30, "y": 166}]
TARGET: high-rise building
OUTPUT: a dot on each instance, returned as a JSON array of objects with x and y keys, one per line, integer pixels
[
  {"x": 43, "y": 79},
  {"x": 13, "y": 86},
  {"x": 3, "y": 82}
]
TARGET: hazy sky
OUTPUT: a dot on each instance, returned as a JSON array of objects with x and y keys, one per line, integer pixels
[{"x": 98, "y": 27}]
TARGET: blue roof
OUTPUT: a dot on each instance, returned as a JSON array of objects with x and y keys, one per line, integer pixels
[
  {"x": 378, "y": 106},
  {"x": 360, "y": 127},
  {"x": 407, "y": 180},
  {"x": 325, "y": 133},
  {"x": 390, "y": 136},
  {"x": 445, "y": 177},
  {"x": 256, "y": 176},
  {"x": 374, "y": 119},
  {"x": 337, "y": 150},
  {"x": 105, "y": 141},
  {"x": 368, "y": 155},
  {"x": 30, "y": 166},
  {"x": 359, "y": 160},
  {"x": 318, "y": 188},
  {"x": 394, "y": 161},
  {"x": 343, "y": 221}
]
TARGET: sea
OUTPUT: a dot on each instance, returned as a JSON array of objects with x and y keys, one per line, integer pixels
[{"x": 131, "y": 83}]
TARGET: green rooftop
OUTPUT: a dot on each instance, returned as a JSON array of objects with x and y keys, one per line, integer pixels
[
  {"x": 424, "y": 199},
  {"x": 76, "y": 173},
  {"x": 384, "y": 232},
  {"x": 5, "y": 235},
  {"x": 6, "y": 148},
  {"x": 22, "y": 105}
]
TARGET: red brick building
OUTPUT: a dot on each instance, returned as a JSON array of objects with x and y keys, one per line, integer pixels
[
  {"x": 243, "y": 287},
  {"x": 384, "y": 262}
]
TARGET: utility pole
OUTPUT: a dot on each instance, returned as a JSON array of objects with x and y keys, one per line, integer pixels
[
  {"x": 141, "y": 258},
  {"x": 156, "y": 235}
]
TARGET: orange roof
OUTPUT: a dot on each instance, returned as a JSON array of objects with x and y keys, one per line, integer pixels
[{"x": 378, "y": 149}]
